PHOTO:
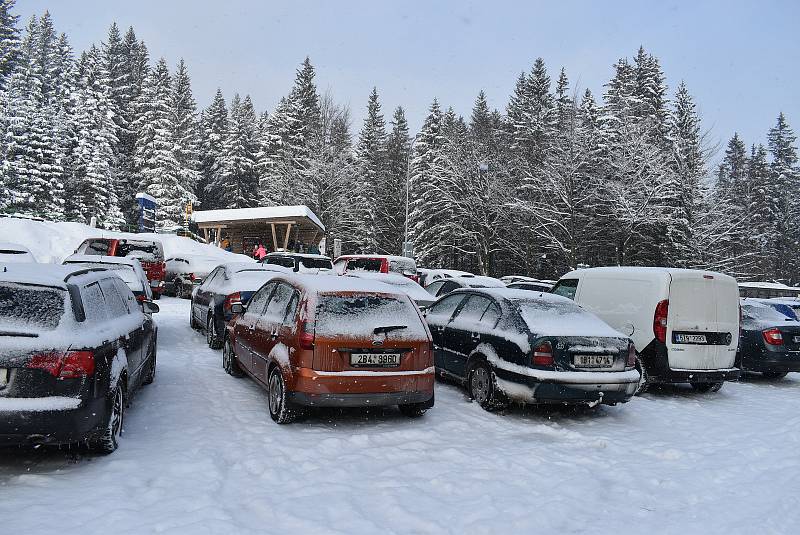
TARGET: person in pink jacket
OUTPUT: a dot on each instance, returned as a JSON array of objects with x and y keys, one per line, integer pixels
[{"x": 260, "y": 252}]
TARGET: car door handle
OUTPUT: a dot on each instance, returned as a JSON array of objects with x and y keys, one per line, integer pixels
[{"x": 274, "y": 335}]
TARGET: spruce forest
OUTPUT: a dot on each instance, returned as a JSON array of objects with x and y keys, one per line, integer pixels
[{"x": 560, "y": 177}]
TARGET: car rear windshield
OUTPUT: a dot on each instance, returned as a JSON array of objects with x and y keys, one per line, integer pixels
[
  {"x": 763, "y": 313},
  {"x": 360, "y": 315},
  {"x": 149, "y": 252},
  {"x": 402, "y": 265},
  {"x": 316, "y": 263},
  {"x": 30, "y": 308},
  {"x": 561, "y": 318},
  {"x": 364, "y": 264}
]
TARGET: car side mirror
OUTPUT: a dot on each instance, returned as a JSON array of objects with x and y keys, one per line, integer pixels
[
  {"x": 238, "y": 308},
  {"x": 150, "y": 307}
]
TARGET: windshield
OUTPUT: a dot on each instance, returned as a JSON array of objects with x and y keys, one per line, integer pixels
[
  {"x": 30, "y": 308},
  {"x": 149, "y": 252}
]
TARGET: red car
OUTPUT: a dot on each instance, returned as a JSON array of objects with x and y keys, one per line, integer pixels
[
  {"x": 150, "y": 254},
  {"x": 402, "y": 265},
  {"x": 316, "y": 341}
]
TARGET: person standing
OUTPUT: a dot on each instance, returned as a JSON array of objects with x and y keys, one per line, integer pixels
[{"x": 261, "y": 252}]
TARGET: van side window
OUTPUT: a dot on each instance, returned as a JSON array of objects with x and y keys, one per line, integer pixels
[{"x": 566, "y": 288}]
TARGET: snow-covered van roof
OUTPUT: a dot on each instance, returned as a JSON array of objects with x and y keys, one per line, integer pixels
[
  {"x": 261, "y": 212},
  {"x": 645, "y": 272}
]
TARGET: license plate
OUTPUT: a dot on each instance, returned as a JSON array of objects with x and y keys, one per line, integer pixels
[
  {"x": 3, "y": 377},
  {"x": 690, "y": 339},
  {"x": 375, "y": 360},
  {"x": 593, "y": 361}
]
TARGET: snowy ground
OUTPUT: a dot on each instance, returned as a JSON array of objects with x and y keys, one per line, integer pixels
[{"x": 201, "y": 455}]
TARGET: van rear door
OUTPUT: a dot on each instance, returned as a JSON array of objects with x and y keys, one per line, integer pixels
[{"x": 703, "y": 321}]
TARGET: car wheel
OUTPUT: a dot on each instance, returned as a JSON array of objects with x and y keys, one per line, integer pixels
[
  {"x": 279, "y": 410},
  {"x": 151, "y": 371},
  {"x": 707, "y": 387},
  {"x": 229, "y": 362},
  {"x": 774, "y": 375},
  {"x": 644, "y": 382},
  {"x": 108, "y": 441},
  {"x": 481, "y": 383},
  {"x": 156, "y": 296},
  {"x": 212, "y": 336}
]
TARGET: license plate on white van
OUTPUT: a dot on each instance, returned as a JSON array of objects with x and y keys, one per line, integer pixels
[
  {"x": 593, "y": 361},
  {"x": 376, "y": 360},
  {"x": 690, "y": 339}
]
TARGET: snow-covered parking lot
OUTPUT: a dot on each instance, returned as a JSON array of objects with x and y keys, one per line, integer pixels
[{"x": 200, "y": 455}]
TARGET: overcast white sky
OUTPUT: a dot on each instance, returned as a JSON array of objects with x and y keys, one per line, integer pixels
[{"x": 739, "y": 59}]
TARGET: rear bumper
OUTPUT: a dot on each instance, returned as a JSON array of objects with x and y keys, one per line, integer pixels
[
  {"x": 697, "y": 376},
  {"x": 567, "y": 387},
  {"x": 53, "y": 427},
  {"x": 360, "y": 388},
  {"x": 360, "y": 400},
  {"x": 776, "y": 362}
]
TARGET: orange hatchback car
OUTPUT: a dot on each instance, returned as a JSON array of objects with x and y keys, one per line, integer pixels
[{"x": 317, "y": 341}]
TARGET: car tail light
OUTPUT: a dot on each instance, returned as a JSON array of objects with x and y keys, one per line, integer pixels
[
  {"x": 141, "y": 298},
  {"x": 191, "y": 277},
  {"x": 69, "y": 365},
  {"x": 543, "y": 355},
  {"x": 630, "y": 362},
  {"x": 772, "y": 337},
  {"x": 307, "y": 336},
  {"x": 660, "y": 321},
  {"x": 235, "y": 297}
]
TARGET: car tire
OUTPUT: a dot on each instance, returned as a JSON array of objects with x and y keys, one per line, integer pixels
[
  {"x": 156, "y": 296},
  {"x": 482, "y": 387},
  {"x": 108, "y": 441},
  {"x": 193, "y": 322},
  {"x": 704, "y": 388},
  {"x": 213, "y": 339},
  {"x": 151, "y": 370},
  {"x": 279, "y": 409},
  {"x": 774, "y": 375},
  {"x": 644, "y": 382},
  {"x": 229, "y": 362}
]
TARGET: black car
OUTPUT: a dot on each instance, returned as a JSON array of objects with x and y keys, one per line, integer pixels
[
  {"x": 770, "y": 341},
  {"x": 74, "y": 346},
  {"x": 531, "y": 286},
  {"x": 300, "y": 262},
  {"x": 513, "y": 345},
  {"x": 234, "y": 282},
  {"x": 184, "y": 273},
  {"x": 445, "y": 286}
]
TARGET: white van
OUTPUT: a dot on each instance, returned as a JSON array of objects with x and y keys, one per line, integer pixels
[{"x": 684, "y": 322}]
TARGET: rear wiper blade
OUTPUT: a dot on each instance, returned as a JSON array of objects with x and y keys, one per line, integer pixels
[
  {"x": 389, "y": 328},
  {"x": 24, "y": 335}
]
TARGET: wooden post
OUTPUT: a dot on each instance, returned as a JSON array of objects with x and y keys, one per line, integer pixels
[
  {"x": 274, "y": 237},
  {"x": 205, "y": 233},
  {"x": 286, "y": 238},
  {"x": 219, "y": 236}
]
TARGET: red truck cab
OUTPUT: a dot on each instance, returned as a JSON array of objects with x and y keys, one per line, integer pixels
[
  {"x": 150, "y": 254},
  {"x": 401, "y": 265}
]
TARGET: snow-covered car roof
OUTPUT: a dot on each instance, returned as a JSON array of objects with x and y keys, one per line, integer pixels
[
  {"x": 480, "y": 281},
  {"x": 648, "y": 271},
  {"x": 550, "y": 314},
  {"x": 94, "y": 259},
  {"x": 445, "y": 272},
  {"x": 14, "y": 252},
  {"x": 235, "y": 267},
  {"x": 388, "y": 257},
  {"x": 416, "y": 292},
  {"x": 768, "y": 285},
  {"x": 789, "y": 301},
  {"x": 323, "y": 285}
]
